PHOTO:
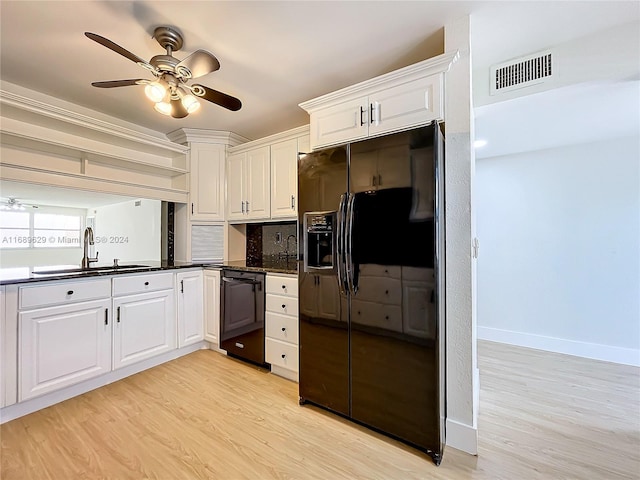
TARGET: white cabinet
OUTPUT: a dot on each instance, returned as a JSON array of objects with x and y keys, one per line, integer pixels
[
  {"x": 399, "y": 100},
  {"x": 207, "y": 177},
  {"x": 63, "y": 345},
  {"x": 281, "y": 325},
  {"x": 248, "y": 193},
  {"x": 190, "y": 308},
  {"x": 144, "y": 317},
  {"x": 144, "y": 326},
  {"x": 64, "y": 334},
  {"x": 212, "y": 307},
  {"x": 284, "y": 176},
  {"x": 387, "y": 110}
]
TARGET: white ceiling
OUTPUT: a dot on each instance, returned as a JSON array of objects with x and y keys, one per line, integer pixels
[{"x": 273, "y": 55}]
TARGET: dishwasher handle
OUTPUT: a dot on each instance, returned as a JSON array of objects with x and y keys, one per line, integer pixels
[{"x": 246, "y": 281}]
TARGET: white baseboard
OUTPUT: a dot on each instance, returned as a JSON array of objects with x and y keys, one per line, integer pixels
[
  {"x": 607, "y": 353},
  {"x": 462, "y": 437}
]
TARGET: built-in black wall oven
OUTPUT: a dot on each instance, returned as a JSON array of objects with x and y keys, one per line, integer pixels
[{"x": 242, "y": 297}]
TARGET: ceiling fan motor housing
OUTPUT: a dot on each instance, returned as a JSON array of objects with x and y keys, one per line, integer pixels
[{"x": 168, "y": 37}]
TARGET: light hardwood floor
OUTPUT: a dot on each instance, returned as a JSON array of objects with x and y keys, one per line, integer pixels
[{"x": 205, "y": 416}]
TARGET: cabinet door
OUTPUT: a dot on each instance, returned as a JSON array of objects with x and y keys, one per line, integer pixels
[
  {"x": 206, "y": 188},
  {"x": 61, "y": 346},
  {"x": 407, "y": 105},
  {"x": 144, "y": 326},
  {"x": 339, "y": 123},
  {"x": 190, "y": 308},
  {"x": 212, "y": 306},
  {"x": 284, "y": 176},
  {"x": 235, "y": 186},
  {"x": 258, "y": 196}
]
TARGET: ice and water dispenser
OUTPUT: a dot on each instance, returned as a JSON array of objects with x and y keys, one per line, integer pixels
[{"x": 320, "y": 242}]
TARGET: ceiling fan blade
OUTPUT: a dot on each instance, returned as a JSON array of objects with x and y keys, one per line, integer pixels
[
  {"x": 178, "y": 110},
  {"x": 199, "y": 63},
  {"x": 118, "y": 49},
  {"x": 118, "y": 83},
  {"x": 219, "y": 98}
]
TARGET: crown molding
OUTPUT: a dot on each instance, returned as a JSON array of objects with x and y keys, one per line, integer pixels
[
  {"x": 271, "y": 139},
  {"x": 67, "y": 117},
  {"x": 432, "y": 66},
  {"x": 184, "y": 136}
]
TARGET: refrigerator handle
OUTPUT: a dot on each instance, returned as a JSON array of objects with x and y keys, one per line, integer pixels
[
  {"x": 351, "y": 282},
  {"x": 340, "y": 245}
]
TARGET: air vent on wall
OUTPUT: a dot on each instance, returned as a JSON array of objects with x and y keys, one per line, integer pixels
[{"x": 521, "y": 72}]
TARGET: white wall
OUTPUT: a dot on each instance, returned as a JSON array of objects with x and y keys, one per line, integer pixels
[
  {"x": 461, "y": 370},
  {"x": 559, "y": 265},
  {"x": 128, "y": 232}
]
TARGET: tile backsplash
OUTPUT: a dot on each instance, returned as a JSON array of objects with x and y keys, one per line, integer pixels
[{"x": 266, "y": 240}]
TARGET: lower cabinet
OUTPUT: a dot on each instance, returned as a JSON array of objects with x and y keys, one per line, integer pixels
[
  {"x": 189, "y": 292},
  {"x": 144, "y": 326},
  {"x": 63, "y": 345},
  {"x": 212, "y": 306},
  {"x": 281, "y": 325}
]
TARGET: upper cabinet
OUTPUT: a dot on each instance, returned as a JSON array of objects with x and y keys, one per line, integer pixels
[
  {"x": 262, "y": 177},
  {"x": 206, "y": 193},
  {"x": 284, "y": 176},
  {"x": 399, "y": 100},
  {"x": 248, "y": 185}
]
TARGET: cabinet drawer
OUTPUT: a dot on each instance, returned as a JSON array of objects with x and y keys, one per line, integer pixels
[
  {"x": 375, "y": 270},
  {"x": 287, "y": 286},
  {"x": 282, "y": 354},
  {"x": 61, "y": 293},
  {"x": 282, "y": 305},
  {"x": 388, "y": 317},
  {"x": 281, "y": 327},
  {"x": 142, "y": 283}
]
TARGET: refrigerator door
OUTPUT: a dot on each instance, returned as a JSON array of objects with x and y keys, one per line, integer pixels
[
  {"x": 324, "y": 330},
  {"x": 395, "y": 367}
]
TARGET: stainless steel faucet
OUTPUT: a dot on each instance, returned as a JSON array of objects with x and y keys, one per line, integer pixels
[
  {"x": 286, "y": 250},
  {"x": 88, "y": 240}
]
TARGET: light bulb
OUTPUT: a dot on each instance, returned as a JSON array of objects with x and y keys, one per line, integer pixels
[
  {"x": 155, "y": 91},
  {"x": 190, "y": 103},
  {"x": 163, "y": 107}
]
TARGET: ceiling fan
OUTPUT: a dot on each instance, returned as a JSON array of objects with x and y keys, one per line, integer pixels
[{"x": 169, "y": 90}]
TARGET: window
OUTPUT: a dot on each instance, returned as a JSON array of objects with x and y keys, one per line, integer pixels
[{"x": 47, "y": 229}]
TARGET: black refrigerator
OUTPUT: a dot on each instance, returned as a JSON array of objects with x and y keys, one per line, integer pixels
[{"x": 371, "y": 284}]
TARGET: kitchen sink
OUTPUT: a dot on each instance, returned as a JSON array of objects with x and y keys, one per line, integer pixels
[{"x": 89, "y": 270}]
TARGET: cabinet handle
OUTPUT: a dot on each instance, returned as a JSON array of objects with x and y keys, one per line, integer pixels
[
  {"x": 242, "y": 206},
  {"x": 284, "y": 329},
  {"x": 106, "y": 316},
  {"x": 361, "y": 116},
  {"x": 373, "y": 181},
  {"x": 283, "y": 355},
  {"x": 284, "y": 286},
  {"x": 146, "y": 284},
  {"x": 181, "y": 286},
  {"x": 191, "y": 208},
  {"x": 284, "y": 306},
  {"x": 293, "y": 202},
  {"x": 379, "y": 179},
  {"x": 118, "y": 315},
  {"x": 247, "y": 204},
  {"x": 69, "y": 292}
]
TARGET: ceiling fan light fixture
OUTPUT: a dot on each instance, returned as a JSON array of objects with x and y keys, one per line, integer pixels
[
  {"x": 189, "y": 102},
  {"x": 163, "y": 107},
  {"x": 155, "y": 91}
]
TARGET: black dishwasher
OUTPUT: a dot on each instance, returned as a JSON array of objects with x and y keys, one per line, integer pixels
[{"x": 242, "y": 315}]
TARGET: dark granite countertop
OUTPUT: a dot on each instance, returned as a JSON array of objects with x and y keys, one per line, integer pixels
[
  {"x": 29, "y": 274},
  {"x": 274, "y": 264}
]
